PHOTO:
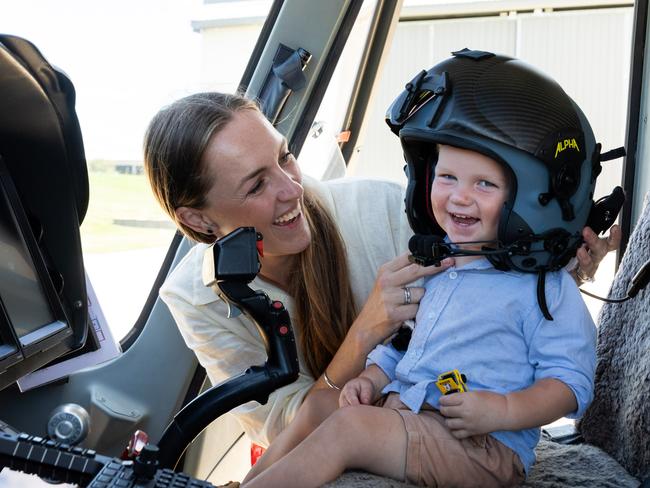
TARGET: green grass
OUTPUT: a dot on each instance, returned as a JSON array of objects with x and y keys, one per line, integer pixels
[{"x": 116, "y": 196}]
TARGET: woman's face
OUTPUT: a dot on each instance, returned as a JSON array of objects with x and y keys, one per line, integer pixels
[{"x": 256, "y": 182}]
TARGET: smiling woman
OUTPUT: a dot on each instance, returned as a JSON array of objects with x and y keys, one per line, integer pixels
[
  {"x": 215, "y": 164},
  {"x": 261, "y": 189}
]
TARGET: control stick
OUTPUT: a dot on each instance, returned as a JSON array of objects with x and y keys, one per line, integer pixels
[{"x": 229, "y": 265}]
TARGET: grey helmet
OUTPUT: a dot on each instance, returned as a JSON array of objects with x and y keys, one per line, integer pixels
[{"x": 515, "y": 114}]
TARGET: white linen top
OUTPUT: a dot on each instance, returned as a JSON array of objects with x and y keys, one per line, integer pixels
[{"x": 371, "y": 219}]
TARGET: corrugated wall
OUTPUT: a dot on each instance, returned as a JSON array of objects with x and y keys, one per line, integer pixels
[{"x": 587, "y": 52}]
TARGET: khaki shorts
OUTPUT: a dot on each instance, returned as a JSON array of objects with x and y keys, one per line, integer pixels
[{"x": 435, "y": 458}]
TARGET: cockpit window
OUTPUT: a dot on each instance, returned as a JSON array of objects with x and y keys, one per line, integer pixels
[{"x": 126, "y": 60}]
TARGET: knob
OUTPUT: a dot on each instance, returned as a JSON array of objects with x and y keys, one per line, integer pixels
[
  {"x": 68, "y": 423},
  {"x": 146, "y": 463}
]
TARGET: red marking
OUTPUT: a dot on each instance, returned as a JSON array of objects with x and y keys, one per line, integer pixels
[
  {"x": 277, "y": 305},
  {"x": 283, "y": 329},
  {"x": 256, "y": 453},
  {"x": 344, "y": 136},
  {"x": 137, "y": 441},
  {"x": 260, "y": 247}
]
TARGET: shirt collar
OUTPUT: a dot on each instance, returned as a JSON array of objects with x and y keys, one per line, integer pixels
[{"x": 203, "y": 295}]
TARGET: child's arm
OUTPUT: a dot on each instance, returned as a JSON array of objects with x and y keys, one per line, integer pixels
[
  {"x": 481, "y": 412},
  {"x": 365, "y": 389}
]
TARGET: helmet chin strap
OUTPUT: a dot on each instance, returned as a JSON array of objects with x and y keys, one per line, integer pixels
[{"x": 430, "y": 250}]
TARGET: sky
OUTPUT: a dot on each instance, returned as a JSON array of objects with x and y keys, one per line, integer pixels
[{"x": 126, "y": 59}]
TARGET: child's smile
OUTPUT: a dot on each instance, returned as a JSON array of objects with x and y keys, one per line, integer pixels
[
  {"x": 468, "y": 193},
  {"x": 464, "y": 219}
]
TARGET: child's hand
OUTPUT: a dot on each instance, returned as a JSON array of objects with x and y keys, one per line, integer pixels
[
  {"x": 473, "y": 412},
  {"x": 358, "y": 391}
]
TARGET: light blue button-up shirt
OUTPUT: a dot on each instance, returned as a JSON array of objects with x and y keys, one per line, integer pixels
[{"x": 487, "y": 324}]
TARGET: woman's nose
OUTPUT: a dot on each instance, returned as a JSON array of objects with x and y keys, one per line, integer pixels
[{"x": 291, "y": 188}]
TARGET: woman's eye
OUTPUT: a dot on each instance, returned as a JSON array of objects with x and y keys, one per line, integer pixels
[
  {"x": 286, "y": 157},
  {"x": 256, "y": 188}
]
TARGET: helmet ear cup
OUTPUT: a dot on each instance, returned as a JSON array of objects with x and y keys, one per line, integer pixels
[
  {"x": 563, "y": 151},
  {"x": 566, "y": 181},
  {"x": 421, "y": 158},
  {"x": 563, "y": 185}
]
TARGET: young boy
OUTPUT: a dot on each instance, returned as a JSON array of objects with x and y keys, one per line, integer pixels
[{"x": 506, "y": 315}]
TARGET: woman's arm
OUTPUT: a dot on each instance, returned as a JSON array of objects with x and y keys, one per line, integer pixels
[
  {"x": 381, "y": 316},
  {"x": 226, "y": 348}
]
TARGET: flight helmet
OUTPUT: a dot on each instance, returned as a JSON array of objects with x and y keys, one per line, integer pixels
[{"x": 515, "y": 114}]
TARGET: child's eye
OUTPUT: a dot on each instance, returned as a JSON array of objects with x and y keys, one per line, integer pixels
[
  {"x": 445, "y": 177},
  {"x": 487, "y": 184}
]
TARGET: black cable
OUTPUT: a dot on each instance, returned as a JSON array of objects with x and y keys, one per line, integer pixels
[
  {"x": 608, "y": 300},
  {"x": 639, "y": 282}
]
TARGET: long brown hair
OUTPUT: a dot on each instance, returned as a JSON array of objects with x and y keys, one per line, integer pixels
[
  {"x": 321, "y": 289},
  {"x": 174, "y": 145}
]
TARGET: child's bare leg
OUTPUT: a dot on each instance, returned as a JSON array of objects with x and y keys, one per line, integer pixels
[
  {"x": 317, "y": 407},
  {"x": 359, "y": 437}
]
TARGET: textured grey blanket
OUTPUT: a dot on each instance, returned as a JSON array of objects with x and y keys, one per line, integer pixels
[
  {"x": 618, "y": 420},
  {"x": 557, "y": 466}
]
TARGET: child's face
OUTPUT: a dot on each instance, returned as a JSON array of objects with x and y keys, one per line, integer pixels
[{"x": 468, "y": 193}]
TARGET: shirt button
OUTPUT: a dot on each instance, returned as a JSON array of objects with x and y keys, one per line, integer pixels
[{"x": 453, "y": 275}]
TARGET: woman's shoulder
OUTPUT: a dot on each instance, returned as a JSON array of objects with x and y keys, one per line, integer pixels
[
  {"x": 355, "y": 189},
  {"x": 185, "y": 281}
]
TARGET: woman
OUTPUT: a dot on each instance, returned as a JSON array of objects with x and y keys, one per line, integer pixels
[{"x": 332, "y": 250}]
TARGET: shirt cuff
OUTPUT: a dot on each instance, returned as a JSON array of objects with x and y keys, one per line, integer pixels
[{"x": 386, "y": 357}]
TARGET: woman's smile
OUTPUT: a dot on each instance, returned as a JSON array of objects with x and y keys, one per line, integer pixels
[{"x": 289, "y": 218}]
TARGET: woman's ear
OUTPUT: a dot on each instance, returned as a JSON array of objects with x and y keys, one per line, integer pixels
[{"x": 195, "y": 220}]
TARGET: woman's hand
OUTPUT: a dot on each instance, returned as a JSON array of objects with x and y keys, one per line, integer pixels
[
  {"x": 473, "y": 412},
  {"x": 358, "y": 391},
  {"x": 592, "y": 252},
  {"x": 387, "y": 307},
  {"x": 385, "y": 310}
]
